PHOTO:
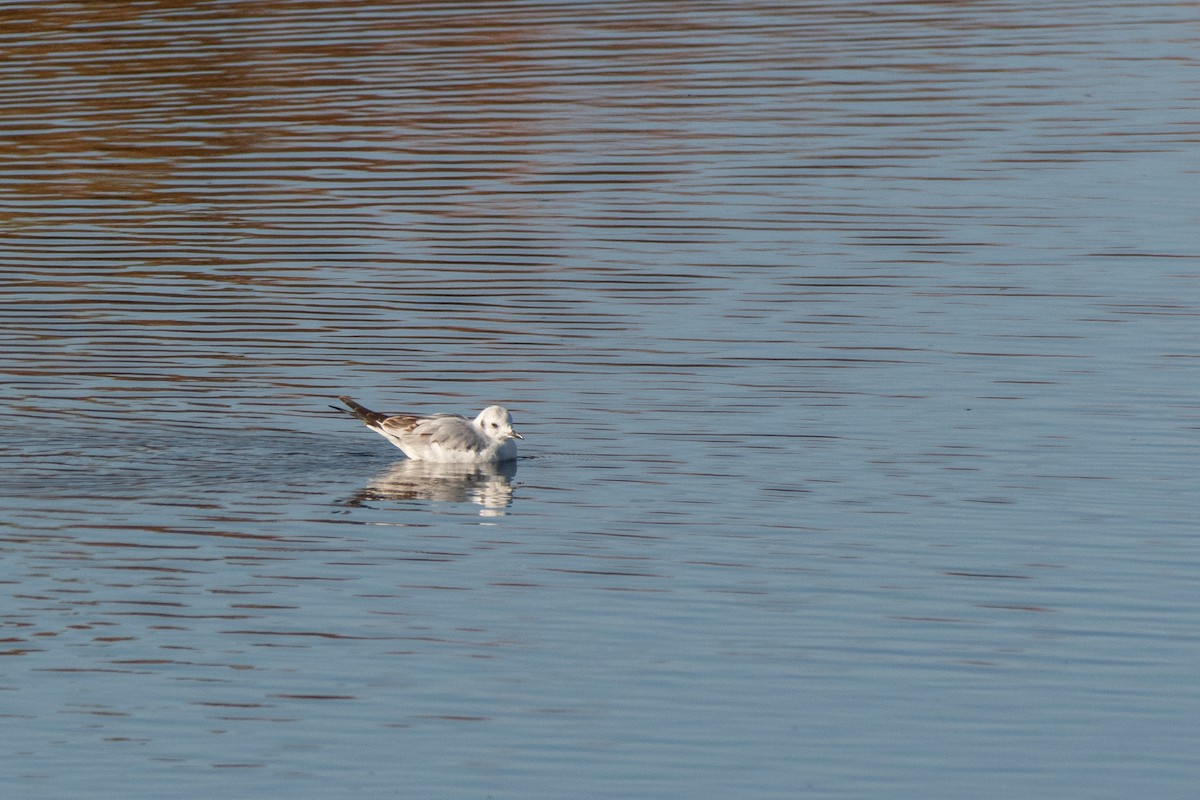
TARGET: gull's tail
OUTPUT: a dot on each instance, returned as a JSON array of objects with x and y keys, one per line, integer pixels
[{"x": 371, "y": 418}]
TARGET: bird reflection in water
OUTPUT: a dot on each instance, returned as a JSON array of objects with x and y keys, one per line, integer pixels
[{"x": 487, "y": 485}]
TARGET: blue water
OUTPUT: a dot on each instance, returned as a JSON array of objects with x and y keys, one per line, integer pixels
[{"x": 855, "y": 349}]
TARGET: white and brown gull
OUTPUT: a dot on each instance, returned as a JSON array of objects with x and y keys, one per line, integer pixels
[{"x": 445, "y": 438}]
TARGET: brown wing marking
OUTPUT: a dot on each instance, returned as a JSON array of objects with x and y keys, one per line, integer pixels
[
  {"x": 371, "y": 418},
  {"x": 400, "y": 424}
]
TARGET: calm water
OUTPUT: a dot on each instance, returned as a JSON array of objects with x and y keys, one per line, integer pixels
[{"x": 855, "y": 347}]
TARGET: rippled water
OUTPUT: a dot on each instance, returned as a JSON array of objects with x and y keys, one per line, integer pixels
[{"x": 855, "y": 348}]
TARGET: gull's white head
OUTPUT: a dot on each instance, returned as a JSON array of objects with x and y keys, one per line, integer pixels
[{"x": 496, "y": 423}]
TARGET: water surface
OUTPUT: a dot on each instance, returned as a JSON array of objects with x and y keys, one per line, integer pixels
[{"x": 854, "y": 346}]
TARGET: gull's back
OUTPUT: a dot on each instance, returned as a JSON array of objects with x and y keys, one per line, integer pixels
[{"x": 441, "y": 438}]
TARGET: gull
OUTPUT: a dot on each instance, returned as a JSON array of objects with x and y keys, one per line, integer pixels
[{"x": 445, "y": 438}]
